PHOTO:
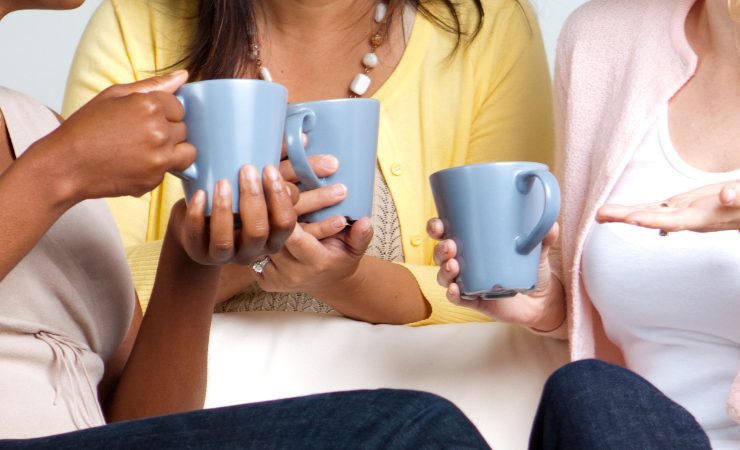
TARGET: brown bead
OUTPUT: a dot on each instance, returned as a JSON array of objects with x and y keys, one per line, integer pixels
[{"x": 376, "y": 40}]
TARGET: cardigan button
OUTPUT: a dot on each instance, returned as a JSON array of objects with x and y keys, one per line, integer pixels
[
  {"x": 396, "y": 169},
  {"x": 416, "y": 240},
  {"x": 733, "y": 412}
]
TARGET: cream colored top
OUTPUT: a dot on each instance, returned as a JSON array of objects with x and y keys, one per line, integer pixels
[{"x": 64, "y": 309}]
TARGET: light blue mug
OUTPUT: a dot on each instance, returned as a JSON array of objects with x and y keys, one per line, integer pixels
[
  {"x": 347, "y": 129},
  {"x": 231, "y": 122},
  {"x": 497, "y": 214}
]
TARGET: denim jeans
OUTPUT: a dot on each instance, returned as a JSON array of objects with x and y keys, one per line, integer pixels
[
  {"x": 382, "y": 419},
  {"x": 591, "y": 404}
]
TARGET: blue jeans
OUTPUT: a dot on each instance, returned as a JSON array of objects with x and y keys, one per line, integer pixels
[
  {"x": 382, "y": 419},
  {"x": 591, "y": 404}
]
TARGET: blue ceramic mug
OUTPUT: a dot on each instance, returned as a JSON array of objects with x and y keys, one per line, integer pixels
[
  {"x": 497, "y": 214},
  {"x": 347, "y": 129},
  {"x": 231, "y": 122}
]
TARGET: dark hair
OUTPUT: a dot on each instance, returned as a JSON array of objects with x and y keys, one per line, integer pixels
[{"x": 224, "y": 36}]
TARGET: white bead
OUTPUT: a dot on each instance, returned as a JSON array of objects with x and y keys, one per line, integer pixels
[
  {"x": 360, "y": 84},
  {"x": 380, "y": 11},
  {"x": 370, "y": 60},
  {"x": 265, "y": 74}
]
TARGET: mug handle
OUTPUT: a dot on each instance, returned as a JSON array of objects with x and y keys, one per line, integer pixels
[
  {"x": 296, "y": 124},
  {"x": 550, "y": 211},
  {"x": 191, "y": 173}
]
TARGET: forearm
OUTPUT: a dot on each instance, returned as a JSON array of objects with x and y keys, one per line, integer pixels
[
  {"x": 378, "y": 292},
  {"x": 167, "y": 369}
]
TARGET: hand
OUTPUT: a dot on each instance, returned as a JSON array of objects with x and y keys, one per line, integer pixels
[
  {"x": 715, "y": 207},
  {"x": 540, "y": 309},
  {"x": 318, "y": 258},
  {"x": 315, "y": 199},
  {"x": 265, "y": 209},
  {"x": 123, "y": 141}
]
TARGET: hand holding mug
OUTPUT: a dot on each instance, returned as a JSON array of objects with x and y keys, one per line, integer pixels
[
  {"x": 318, "y": 257},
  {"x": 265, "y": 209},
  {"x": 533, "y": 310},
  {"x": 123, "y": 141}
]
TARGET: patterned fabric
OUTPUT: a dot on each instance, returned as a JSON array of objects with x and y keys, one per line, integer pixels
[{"x": 386, "y": 244}]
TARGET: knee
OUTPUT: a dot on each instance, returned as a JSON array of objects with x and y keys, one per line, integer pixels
[{"x": 569, "y": 381}]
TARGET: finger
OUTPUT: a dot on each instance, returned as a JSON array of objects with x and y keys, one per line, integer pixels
[
  {"x": 453, "y": 294},
  {"x": 435, "y": 228},
  {"x": 171, "y": 106},
  {"x": 221, "y": 224},
  {"x": 444, "y": 250},
  {"x": 255, "y": 227},
  {"x": 359, "y": 236},
  {"x": 166, "y": 83},
  {"x": 613, "y": 213},
  {"x": 317, "y": 199},
  {"x": 728, "y": 196},
  {"x": 448, "y": 272},
  {"x": 685, "y": 219},
  {"x": 325, "y": 228},
  {"x": 295, "y": 194},
  {"x": 182, "y": 156},
  {"x": 195, "y": 226},
  {"x": 178, "y": 132},
  {"x": 322, "y": 165},
  {"x": 303, "y": 247},
  {"x": 281, "y": 213}
]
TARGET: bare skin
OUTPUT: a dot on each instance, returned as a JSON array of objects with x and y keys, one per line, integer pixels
[
  {"x": 703, "y": 118},
  {"x": 709, "y": 101},
  {"x": 81, "y": 160},
  {"x": 299, "y": 42}
]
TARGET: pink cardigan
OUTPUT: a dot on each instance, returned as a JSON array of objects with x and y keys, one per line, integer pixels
[{"x": 618, "y": 61}]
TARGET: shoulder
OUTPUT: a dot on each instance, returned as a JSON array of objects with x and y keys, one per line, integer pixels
[{"x": 615, "y": 24}]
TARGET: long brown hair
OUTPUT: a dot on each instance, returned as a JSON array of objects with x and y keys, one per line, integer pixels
[{"x": 226, "y": 30}]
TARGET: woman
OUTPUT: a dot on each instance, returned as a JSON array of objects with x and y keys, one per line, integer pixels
[
  {"x": 648, "y": 104},
  {"x": 74, "y": 350},
  {"x": 458, "y": 83}
]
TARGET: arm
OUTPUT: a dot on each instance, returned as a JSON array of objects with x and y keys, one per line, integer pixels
[{"x": 167, "y": 367}]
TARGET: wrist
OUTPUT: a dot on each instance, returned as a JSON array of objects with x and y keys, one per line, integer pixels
[
  {"x": 346, "y": 286},
  {"x": 48, "y": 161},
  {"x": 552, "y": 313},
  {"x": 47, "y": 176}
]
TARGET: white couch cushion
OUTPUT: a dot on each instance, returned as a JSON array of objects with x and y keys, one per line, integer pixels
[{"x": 493, "y": 372}]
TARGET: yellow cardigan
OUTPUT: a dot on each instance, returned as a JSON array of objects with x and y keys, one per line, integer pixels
[{"x": 488, "y": 101}]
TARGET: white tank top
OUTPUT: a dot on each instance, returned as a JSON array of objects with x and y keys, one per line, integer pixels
[
  {"x": 64, "y": 309},
  {"x": 671, "y": 303}
]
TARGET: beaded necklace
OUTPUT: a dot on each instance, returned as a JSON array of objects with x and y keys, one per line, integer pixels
[{"x": 361, "y": 82}]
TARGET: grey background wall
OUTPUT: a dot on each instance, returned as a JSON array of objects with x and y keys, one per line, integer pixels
[{"x": 36, "y": 47}]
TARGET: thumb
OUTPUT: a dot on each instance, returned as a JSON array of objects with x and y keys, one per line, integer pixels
[
  {"x": 166, "y": 83},
  {"x": 359, "y": 236}
]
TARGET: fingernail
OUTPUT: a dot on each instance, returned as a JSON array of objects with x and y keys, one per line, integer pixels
[
  {"x": 448, "y": 266},
  {"x": 339, "y": 223},
  {"x": 272, "y": 173},
  {"x": 329, "y": 162},
  {"x": 198, "y": 198},
  {"x": 339, "y": 190},
  {"x": 251, "y": 179},
  {"x": 223, "y": 188}
]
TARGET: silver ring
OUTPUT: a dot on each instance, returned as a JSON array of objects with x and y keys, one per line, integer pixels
[{"x": 259, "y": 265}]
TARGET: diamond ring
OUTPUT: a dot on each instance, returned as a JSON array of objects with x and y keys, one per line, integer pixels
[{"x": 259, "y": 265}]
